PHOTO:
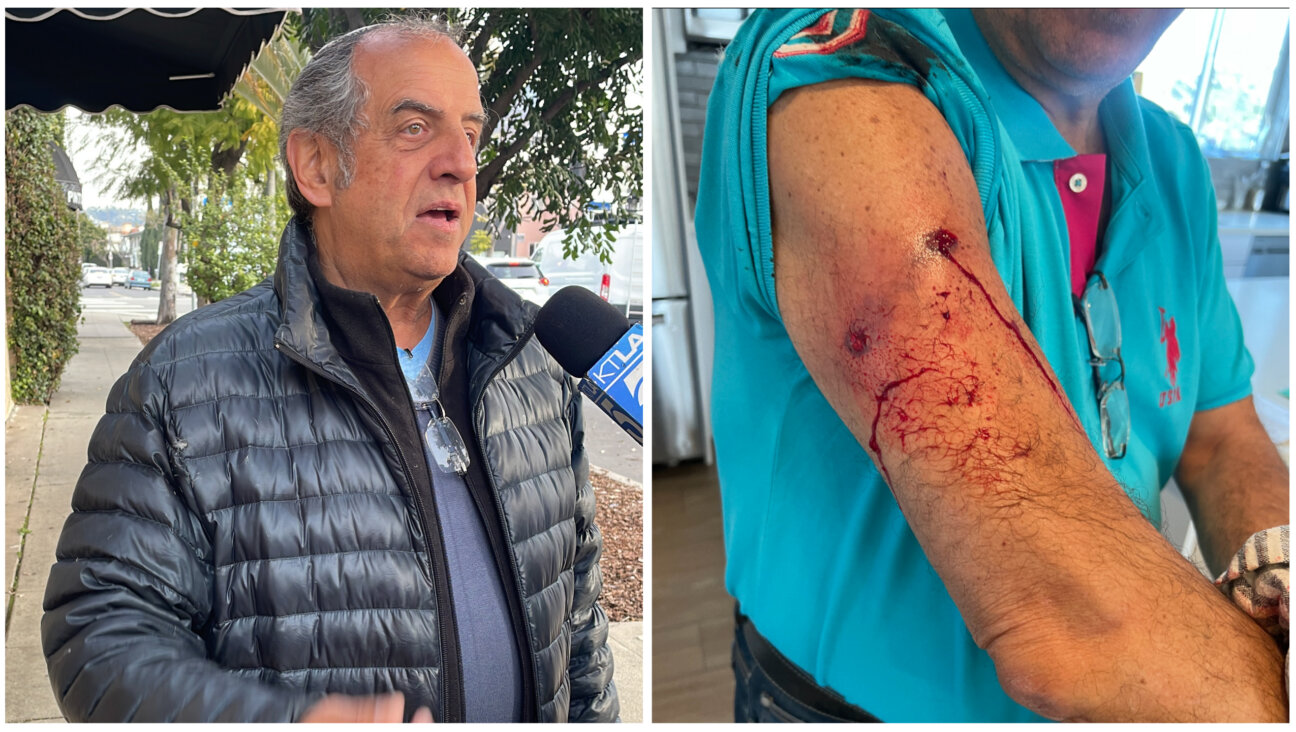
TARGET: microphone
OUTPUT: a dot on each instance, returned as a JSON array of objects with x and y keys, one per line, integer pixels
[{"x": 595, "y": 343}]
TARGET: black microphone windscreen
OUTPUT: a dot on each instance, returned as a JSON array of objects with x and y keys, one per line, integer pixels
[{"x": 577, "y": 327}]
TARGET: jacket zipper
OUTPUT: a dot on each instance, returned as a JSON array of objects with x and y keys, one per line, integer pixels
[
  {"x": 451, "y": 672},
  {"x": 478, "y": 408}
]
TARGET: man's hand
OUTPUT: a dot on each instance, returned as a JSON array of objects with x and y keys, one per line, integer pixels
[
  {"x": 888, "y": 292},
  {"x": 343, "y": 708}
]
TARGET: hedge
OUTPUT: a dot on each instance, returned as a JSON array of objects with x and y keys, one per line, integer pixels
[{"x": 42, "y": 259}]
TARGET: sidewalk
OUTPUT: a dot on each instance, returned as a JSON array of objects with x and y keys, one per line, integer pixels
[{"x": 45, "y": 450}]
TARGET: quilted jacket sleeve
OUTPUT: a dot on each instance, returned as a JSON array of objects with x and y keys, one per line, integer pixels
[
  {"x": 132, "y": 586},
  {"x": 593, "y": 693}
]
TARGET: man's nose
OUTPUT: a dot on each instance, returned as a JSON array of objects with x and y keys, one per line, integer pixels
[{"x": 456, "y": 158}]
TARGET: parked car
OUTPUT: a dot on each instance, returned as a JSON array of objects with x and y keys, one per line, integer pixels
[
  {"x": 120, "y": 275},
  {"x": 520, "y": 275},
  {"x": 96, "y": 277},
  {"x": 139, "y": 278},
  {"x": 620, "y": 283}
]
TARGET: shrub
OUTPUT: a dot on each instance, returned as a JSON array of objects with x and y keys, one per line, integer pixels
[
  {"x": 42, "y": 254},
  {"x": 234, "y": 238}
]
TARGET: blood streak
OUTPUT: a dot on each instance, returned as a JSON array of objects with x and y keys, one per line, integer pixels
[
  {"x": 881, "y": 398},
  {"x": 943, "y": 242}
]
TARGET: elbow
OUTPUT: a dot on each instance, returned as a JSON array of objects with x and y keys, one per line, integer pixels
[
  {"x": 1054, "y": 670},
  {"x": 1041, "y": 687}
]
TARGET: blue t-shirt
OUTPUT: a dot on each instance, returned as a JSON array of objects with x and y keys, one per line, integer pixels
[
  {"x": 488, "y": 649},
  {"x": 819, "y": 555}
]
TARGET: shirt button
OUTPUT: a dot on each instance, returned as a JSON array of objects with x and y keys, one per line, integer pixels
[{"x": 1078, "y": 183}]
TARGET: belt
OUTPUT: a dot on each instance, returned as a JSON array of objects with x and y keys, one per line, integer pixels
[{"x": 794, "y": 681}]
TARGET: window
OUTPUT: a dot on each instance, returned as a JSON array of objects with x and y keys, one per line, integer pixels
[
  {"x": 1242, "y": 54},
  {"x": 713, "y": 25}
]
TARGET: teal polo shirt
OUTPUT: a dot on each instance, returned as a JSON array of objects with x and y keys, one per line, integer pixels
[{"x": 818, "y": 554}]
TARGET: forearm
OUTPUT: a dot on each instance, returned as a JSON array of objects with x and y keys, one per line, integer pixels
[
  {"x": 1131, "y": 632},
  {"x": 1233, "y": 480}
]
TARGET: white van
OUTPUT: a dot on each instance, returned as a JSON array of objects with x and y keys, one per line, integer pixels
[{"x": 620, "y": 283}]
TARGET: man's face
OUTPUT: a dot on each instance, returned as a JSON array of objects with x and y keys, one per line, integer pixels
[
  {"x": 410, "y": 203},
  {"x": 1075, "y": 50}
]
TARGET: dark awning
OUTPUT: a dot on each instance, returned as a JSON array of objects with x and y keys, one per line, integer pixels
[{"x": 184, "y": 59}]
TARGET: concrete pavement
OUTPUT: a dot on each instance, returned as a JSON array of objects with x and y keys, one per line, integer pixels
[{"x": 45, "y": 450}]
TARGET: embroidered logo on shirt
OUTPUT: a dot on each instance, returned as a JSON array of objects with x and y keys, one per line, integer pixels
[
  {"x": 824, "y": 37},
  {"x": 1171, "y": 341}
]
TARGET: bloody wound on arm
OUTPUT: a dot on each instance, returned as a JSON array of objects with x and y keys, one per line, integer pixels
[{"x": 929, "y": 376}]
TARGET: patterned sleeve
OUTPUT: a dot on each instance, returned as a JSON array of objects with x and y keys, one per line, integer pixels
[
  {"x": 1258, "y": 581},
  {"x": 851, "y": 43}
]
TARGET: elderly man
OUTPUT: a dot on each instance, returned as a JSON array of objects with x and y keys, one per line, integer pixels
[
  {"x": 357, "y": 491},
  {"x": 970, "y": 319}
]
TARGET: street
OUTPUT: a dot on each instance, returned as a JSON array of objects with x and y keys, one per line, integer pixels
[
  {"x": 133, "y": 304},
  {"x": 607, "y": 446}
]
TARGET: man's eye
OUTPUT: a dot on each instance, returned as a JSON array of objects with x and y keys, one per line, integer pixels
[
  {"x": 472, "y": 137},
  {"x": 415, "y": 128}
]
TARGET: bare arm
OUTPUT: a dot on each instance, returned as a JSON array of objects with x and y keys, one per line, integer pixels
[
  {"x": 888, "y": 292},
  {"x": 1233, "y": 480}
]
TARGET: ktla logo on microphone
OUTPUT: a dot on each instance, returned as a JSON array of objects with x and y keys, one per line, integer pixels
[
  {"x": 621, "y": 368},
  {"x": 634, "y": 380}
]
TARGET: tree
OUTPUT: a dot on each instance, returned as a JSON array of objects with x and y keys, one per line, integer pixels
[
  {"x": 186, "y": 154},
  {"x": 92, "y": 239},
  {"x": 151, "y": 240},
  {"x": 234, "y": 236},
  {"x": 42, "y": 255},
  {"x": 266, "y": 82},
  {"x": 480, "y": 241},
  {"x": 560, "y": 87}
]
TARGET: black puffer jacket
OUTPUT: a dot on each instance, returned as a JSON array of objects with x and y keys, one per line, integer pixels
[{"x": 253, "y": 531}]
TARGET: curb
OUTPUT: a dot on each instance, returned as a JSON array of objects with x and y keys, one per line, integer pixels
[{"x": 605, "y": 473}]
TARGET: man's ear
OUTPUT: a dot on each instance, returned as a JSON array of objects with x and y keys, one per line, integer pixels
[{"x": 313, "y": 162}]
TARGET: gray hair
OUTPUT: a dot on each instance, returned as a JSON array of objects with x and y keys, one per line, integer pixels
[{"x": 328, "y": 98}]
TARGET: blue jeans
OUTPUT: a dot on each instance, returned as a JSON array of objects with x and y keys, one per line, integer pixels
[{"x": 760, "y": 697}]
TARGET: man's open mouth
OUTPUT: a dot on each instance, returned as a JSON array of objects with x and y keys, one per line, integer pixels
[{"x": 442, "y": 214}]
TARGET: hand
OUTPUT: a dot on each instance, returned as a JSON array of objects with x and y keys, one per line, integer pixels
[{"x": 379, "y": 708}]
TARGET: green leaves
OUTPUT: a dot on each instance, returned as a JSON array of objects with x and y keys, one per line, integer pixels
[
  {"x": 564, "y": 86},
  {"x": 42, "y": 258},
  {"x": 233, "y": 237},
  {"x": 266, "y": 81},
  {"x": 192, "y": 158}
]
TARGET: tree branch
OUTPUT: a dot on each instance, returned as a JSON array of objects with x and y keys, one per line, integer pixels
[
  {"x": 505, "y": 100},
  {"x": 481, "y": 37},
  {"x": 486, "y": 176}
]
